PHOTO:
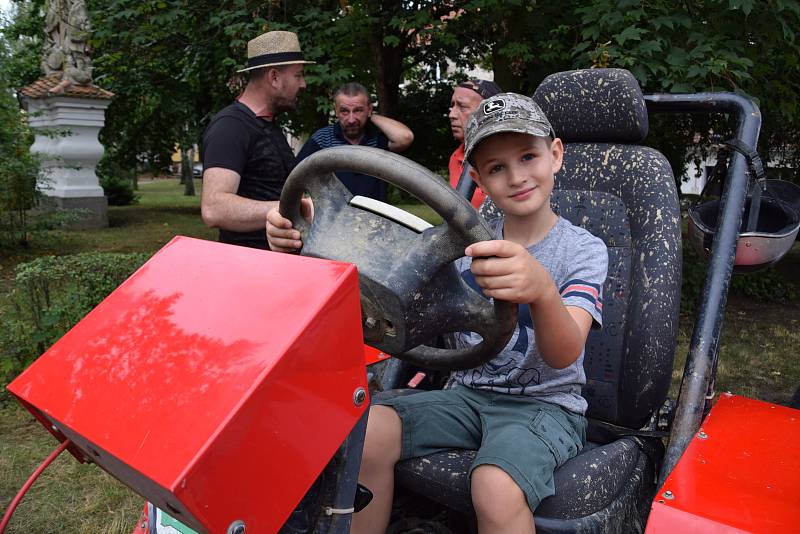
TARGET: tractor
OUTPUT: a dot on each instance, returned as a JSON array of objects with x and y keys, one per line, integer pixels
[{"x": 235, "y": 398}]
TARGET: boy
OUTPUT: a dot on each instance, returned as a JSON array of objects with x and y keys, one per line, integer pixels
[{"x": 522, "y": 410}]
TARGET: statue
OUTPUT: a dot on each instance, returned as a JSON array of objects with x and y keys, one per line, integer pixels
[{"x": 66, "y": 50}]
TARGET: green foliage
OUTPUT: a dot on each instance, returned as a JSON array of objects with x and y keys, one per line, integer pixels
[
  {"x": 424, "y": 107},
  {"x": 172, "y": 64},
  {"x": 118, "y": 190},
  {"x": 705, "y": 45},
  {"x": 117, "y": 183},
  {"x": 19, "y": 170},
  {"x": 767, "y": 285},
  {"x": 22, "y": 38},
  {"x": 50, "y": 295}
]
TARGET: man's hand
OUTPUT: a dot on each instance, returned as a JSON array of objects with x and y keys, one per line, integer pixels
[
  {"x": 280, "y": 234},
  {"x": 506, "y": 271}
]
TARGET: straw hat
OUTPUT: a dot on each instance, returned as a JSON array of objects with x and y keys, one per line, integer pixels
[{"x": 272, "y": 49}]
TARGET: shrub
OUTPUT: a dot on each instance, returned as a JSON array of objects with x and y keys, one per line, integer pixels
[
  {"x": 119, "y": 190},
  {"x": 50, "y": 295},
  {"x": 766, "y": 285},
  {"x": 117, "y": 182}
]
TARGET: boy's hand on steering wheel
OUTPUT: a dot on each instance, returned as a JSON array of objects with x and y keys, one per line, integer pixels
[
  {"x": 506, "y": 271},
  {"x": 280, "y": 234}
]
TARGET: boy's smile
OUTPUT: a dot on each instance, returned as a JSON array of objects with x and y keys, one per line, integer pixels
[{"x": 516, "y": 171}]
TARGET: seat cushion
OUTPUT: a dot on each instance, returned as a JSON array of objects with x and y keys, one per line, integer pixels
[{"x": 585, "y": 484}]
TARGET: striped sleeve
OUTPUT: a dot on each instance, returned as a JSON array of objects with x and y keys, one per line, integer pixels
[
  {"x": 585, "y": 279},
  {"x": 585, "y": 290}
]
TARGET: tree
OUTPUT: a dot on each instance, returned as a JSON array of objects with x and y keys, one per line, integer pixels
[
  {"x": 743, "y": 46},
  {"x": 22, "y": 40},
  {"x": 172, "y": 63},
  {"x": 19, "y": 169}
]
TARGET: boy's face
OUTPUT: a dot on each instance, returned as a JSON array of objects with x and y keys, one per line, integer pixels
[{"x": 516, "y": 171}]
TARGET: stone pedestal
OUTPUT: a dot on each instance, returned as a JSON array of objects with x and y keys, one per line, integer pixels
[{"x": 68, "y": 125}]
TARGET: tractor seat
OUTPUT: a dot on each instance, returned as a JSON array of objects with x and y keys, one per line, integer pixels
[{"x": 624, "y": 194}]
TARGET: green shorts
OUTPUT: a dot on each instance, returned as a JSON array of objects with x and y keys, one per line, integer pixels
[{"x": 525, "y": 437}]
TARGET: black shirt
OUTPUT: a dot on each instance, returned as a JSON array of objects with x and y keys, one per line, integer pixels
[{"x": 257, "y": 150}]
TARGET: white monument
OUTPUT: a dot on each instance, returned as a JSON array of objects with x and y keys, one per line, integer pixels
[{"x": 67, "y": 112}]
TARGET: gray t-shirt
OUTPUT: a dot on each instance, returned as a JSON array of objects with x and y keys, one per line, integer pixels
[{"x": 577, "y": 261}]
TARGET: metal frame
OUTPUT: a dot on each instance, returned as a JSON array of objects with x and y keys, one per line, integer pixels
[{"x": 701, "y": 362}]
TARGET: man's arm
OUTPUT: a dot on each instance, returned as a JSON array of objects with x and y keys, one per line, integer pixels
[
  {"x": 221, "y": 207},
  {"x": 398, "y": 134}
]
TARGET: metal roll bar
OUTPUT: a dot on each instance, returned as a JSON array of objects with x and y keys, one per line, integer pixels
[{"x": 701, "y": 361}]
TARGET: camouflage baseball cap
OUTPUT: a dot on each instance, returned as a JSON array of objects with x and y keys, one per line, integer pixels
[{"x": 505, "y": 112}]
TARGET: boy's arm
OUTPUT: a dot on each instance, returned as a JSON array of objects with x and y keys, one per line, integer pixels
[
  {"x": 560, "y": 330},
  {"x": 506, "y": 271}
]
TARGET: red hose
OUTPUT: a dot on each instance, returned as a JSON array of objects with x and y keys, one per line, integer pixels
[{"x": 24, "y": 489}]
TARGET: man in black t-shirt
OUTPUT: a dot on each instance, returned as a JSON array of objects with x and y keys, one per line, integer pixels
[
  {"x": 358, "y": 125},
  {"x": 246, "y": 158}
]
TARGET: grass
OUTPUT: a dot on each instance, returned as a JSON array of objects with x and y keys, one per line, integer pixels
[
  {"x": 758, "y": 360},
  {"x": 69, "y": 496},
  {"x": 757, "y": 349}
]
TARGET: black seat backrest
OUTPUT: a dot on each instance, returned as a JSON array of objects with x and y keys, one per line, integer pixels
[
  {"x": 632, "y": 204},
  {"x": 624, "y": 194}
]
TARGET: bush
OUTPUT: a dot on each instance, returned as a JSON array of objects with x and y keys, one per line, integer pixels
[
  {"x": 118, "y": 190},
  {"x": 766, "y": 285},
  {"x": 117, "y": 182},
  {"x": 50, "y": 295}
]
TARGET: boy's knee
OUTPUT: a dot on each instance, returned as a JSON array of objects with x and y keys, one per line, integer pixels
[
  {"x": 383, "y": 441},
  {"x": 496, "y": 496}
]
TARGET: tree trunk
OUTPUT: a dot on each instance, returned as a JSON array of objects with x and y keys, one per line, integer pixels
[
  {"x": 187, "y": 162},
  {"x": 388, "y": 63},
  {"x": 188, "y": 189}
]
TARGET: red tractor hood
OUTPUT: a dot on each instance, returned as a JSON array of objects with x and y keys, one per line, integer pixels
[{"x": 217, "y": 381}]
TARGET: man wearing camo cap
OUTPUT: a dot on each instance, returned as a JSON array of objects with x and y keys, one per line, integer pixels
[{"x": 466, "y": 97}]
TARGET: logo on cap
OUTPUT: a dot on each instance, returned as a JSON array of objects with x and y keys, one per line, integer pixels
[{"x": 493, "y": 105}]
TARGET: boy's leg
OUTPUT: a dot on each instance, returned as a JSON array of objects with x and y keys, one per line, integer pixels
[
  {"x": 407, "y": 427},
  {"x": 491, "y": 485},
  {"x": 381, "y": 453},
  {"x": 524, "y": 441}
]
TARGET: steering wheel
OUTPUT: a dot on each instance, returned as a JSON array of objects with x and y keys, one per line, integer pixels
[{"x": 411, "y": 291}]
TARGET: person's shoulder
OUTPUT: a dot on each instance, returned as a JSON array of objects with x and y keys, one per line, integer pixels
[
  {"x": 231, "y": 115},
  {"x": 234, "y": 110},
  {"x": 324, "y": 136},
  {"x": 458, "y": 153}
]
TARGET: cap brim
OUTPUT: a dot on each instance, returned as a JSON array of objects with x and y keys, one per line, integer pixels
[
  {"x": 300, "y": 62},
  {"x": 522, "y": 126}
]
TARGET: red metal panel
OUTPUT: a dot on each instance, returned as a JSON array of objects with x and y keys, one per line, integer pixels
[
  {"x": 217, "y": 381},
  {"x": 740, "y": 473},
  {"x": 373, "y": 355}
]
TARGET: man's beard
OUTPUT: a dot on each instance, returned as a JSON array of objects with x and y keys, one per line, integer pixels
[
  {"x": 352, "y": 133},
  {"x": 282, "y": 104}
]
